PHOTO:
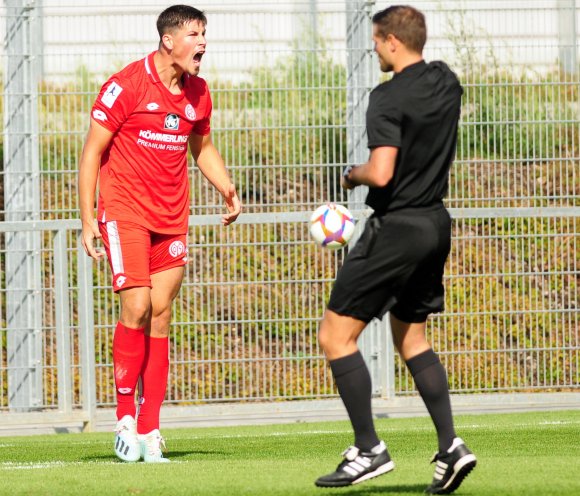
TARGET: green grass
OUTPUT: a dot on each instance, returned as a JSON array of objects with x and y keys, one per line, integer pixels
[{"x": 531, "y": 453}]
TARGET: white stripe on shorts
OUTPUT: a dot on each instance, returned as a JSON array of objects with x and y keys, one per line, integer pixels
[{"x": 115, "y": 248}]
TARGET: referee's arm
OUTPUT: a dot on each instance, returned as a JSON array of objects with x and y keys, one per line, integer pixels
[{"x": 377, "y": 172}]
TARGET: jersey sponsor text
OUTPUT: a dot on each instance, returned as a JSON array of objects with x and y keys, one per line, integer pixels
[{"x": 167, "y": 138}]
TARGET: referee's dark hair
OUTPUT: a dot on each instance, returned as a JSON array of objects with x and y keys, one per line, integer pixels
[
  {"x": 174, "y": 17},
  {"x": 405, "y": 23}
]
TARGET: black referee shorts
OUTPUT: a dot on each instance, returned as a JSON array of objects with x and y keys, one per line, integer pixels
[{"x": 396, "y": 265}]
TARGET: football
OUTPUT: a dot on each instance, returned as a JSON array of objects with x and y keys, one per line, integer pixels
[{"x": 331, "y": 226}]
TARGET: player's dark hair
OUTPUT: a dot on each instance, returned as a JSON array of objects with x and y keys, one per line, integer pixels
[
  {"x": 405, "y": 23},
  {"x": 176, "y": 16}
]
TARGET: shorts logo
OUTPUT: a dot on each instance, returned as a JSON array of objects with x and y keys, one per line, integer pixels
[
  {"x": 99, "y": 115},
  {"x": 120, "y": 281},
  {"x": 176, "y": 249},
  {"x": 190, "y": 112},
  {"x": 125, "y": 390},
  {"x": 111, "y": 94},
  {"x": 152, "y": 106},
  {"x": 171, "y": 122}
]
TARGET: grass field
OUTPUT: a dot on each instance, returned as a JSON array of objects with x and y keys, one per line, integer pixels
[{"x": 518, "y": 454}]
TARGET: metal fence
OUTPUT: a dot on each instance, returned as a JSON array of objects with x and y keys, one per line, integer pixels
[{"x": 290, "y": 83}]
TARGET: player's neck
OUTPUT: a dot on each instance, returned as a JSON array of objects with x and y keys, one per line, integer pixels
[
  {"x": 168, "y": 75},
  {"x": 406, "y": 60}
]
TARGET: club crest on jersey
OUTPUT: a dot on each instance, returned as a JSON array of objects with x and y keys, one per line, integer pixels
[
  {"x": 171, "y": 122},
  {"x": 190, "y": 112}
]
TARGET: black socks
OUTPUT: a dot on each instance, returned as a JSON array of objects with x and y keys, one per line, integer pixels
[
  {"x": 354, "y": 386},
  {"x": 431, "y": 381}
]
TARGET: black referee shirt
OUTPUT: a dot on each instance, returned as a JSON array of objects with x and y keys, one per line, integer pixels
[{"x": 417, "y": 111}]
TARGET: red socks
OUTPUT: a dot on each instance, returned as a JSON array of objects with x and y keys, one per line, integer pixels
[
  {"x": 153, "y": 383},
  {"x": 128, "y": 358},
  {"x": 134, "y": 355}
]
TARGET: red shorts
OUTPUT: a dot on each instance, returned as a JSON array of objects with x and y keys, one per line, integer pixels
[{"x": 134, "y": 252}]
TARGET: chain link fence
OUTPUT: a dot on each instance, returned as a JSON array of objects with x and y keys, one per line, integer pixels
[{"x": 286, "y": 107}]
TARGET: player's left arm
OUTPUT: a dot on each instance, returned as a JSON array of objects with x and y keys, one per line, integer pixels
[
  {"x": 213, "y": 168},
  {"x": 377, "y": 172}
]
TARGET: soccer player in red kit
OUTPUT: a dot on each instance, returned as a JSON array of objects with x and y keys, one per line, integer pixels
[{"x": 142, "y": 122}]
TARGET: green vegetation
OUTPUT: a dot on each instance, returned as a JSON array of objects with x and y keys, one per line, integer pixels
[
  {"x": 282, "y": 132},
  {"x": 522, "y": 118},
  {"x": 524, "y": 453}
]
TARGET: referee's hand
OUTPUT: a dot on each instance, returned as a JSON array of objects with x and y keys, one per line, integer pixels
[
  {"x": 345, "y": 181},
  {"x": 346, "y": 184}
]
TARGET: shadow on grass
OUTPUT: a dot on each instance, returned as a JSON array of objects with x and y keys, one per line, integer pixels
[
  {"x": 386, "y": 488},
  {"x": 170, "y": 454}
]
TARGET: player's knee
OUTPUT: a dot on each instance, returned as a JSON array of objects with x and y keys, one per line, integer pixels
[
  {"x": 136, "y": 313},
  {"x": 397, "y": 338},
  {"x": 161, "y": 316},
  {"x": 332, "y": 342},
  {"x": 411, "y": 347},
  {"x": 324, "y": 339},
  {"x": 338, "y": 334}
]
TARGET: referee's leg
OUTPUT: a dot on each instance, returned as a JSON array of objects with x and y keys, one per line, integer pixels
[
  {"x": 428, "y": 373},
  {"x": 454, "y": 460},
  {"x": 369, "y": 457},
  {"x": 338, "y": 338}
]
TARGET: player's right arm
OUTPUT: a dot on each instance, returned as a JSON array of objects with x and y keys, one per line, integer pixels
[
  {"x": 97, "y": 141},
  {"x": 376, "y": 173}
]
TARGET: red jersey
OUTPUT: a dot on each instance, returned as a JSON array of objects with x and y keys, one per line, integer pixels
[{"x": 143, "y": 174}]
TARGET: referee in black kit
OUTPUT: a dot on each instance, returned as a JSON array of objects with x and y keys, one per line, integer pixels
[{"x": 397, "y": 265}]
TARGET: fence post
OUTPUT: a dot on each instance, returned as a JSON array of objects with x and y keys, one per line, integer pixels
[
  {"x": 360, "y": 78},
  {"x": 62, "y": 316},
  {"x": 22, "y": 202},
  {"x": 388, "y": 372},
  {"x": 86, "y": 335},
  {"x": 362, "y": 75},
  {"x": 568, "y": 36}
]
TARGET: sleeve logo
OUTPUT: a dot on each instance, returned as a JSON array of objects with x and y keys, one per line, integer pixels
[
  {"x": 99, "y": 115},
  {"x": 111, "y": 94}
]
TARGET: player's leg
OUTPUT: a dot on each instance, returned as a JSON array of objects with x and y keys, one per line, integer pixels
[
  {"x": 428, "y": 373},
  {"x": 168, "y": 257},
  {"x": 166, "y": 285},
  {"x": 128, "y": 359},
  {"x": 338, "y": 337},
  {"x": 127, "y": 247},
  {"x": 453, "y": 460},
  {"x": 423, "y": 294},
  {"x": 129, "y": 347},
  {"x": 369, "y": 457},
  {"x": 365, "y": 287},
  {"x": 361, "y": 289}
]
